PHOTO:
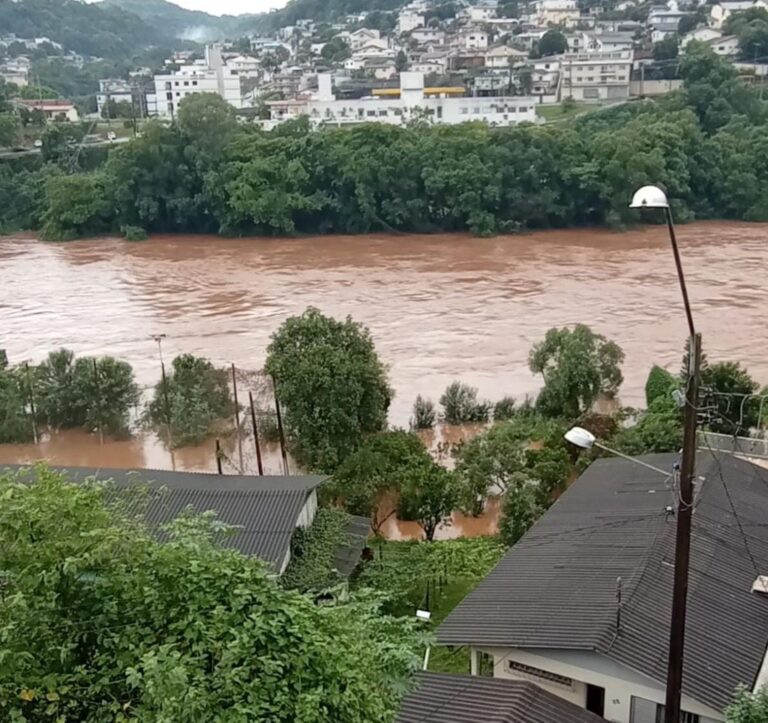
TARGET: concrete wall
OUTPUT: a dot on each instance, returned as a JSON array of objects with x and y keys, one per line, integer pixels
[
  {"x": 653, "y": 87},
  {"x": 583, "y": 667}
]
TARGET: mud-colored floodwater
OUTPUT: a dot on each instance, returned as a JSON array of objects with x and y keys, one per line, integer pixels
[{"x": 439, "y": 307}]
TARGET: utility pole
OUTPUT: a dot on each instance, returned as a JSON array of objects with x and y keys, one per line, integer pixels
[{"x": 685, "y": 501}]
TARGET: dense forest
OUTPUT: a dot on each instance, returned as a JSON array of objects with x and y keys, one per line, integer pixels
[{"x": 209, "y": 173}]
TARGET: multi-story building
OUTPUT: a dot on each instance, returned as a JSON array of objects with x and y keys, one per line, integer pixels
[
  {"x": 557, "y": 12},
  {"x": 428, "y": 36},
  {"x": 472, "y": 39},
  {"x": 114, "y": 89},
  {"x": 208, "y": 76},
  {"x": 411, "y": 101},
  {"x": 595, "y": 76},
  {"x": 409, "y": 19},
  {"x": 664, "y": 20},
  {"x": 722, "y": 10}
]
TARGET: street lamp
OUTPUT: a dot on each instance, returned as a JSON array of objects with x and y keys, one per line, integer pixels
[
  {"x": 580, "y": 437},
  {"x": 654, "y": 197}
]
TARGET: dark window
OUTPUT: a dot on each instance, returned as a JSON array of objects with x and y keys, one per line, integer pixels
[{"x": 595, "y": 699}]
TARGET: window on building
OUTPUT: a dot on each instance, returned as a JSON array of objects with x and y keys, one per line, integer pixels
[
  {"x": 176, "y": 83},
  {"x": 186, "y": 82},
  {"x": 476, "y": 110},
  {"x": 523, "y": 108},
  {"x": 648, "y": 711},
  {"x": 383, "y": 113},
  {"x": 590, "y": 79},
  {"x": 371, "y": 113},
  {"x": 528, "y": 671},
  {"x": 169, "y": 96},
  {"x": 167, "y": 84},
  {"x": 178, "y": 94},
  {"x": 465, "y": 111},
  {"x": 194, "y": 82},
  {"x": 591, "y": 93}
]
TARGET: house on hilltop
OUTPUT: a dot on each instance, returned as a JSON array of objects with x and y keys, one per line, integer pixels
[{"x": 581, "y": 604}]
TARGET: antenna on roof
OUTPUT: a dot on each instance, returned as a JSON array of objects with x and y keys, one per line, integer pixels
[{"x": 618, "y": 606}]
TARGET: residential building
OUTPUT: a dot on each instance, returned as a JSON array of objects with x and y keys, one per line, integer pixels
[
  {"x": 472, "y": 39},
  {"x": 480, "y": 11},
  {"x": 381, "y": 68},
  {"x": 53, "y": 110},
  {"x": 595, "y": 76},
  {"x": 502, "y": 56},
  {"x": 581, "y": 604},
  {"x": 608, "y": 42},
  {"x": 208, "y": 76},
  {"x": 362, "y": 37},
  {"x": 114, "y": 89},
  {"x": 663, "y": 20},
  {"x": 428, "y": 36},
  {"x": 263, "y": 512},
  {"x": 15, "y": 72},
  {"x": 411, "y": 101},
  {"x": 727, "y": 45},
  {"x": 557, "y": 12},
  {"x": 720, "y": 12},
  {"x": 432, "y": 63},
  {"x": 446, "y": 698},
  {"x": 246, "y": 66},
  {"x": 702, "y": 34},
  {"x": 409, "y": 19}
]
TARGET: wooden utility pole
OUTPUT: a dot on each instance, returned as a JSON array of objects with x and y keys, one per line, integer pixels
[
  {"x": 98, "y": 399},
  {"x": 280, "y": 428},
  {"x": 683, "y": 537},
  {"x": 255, "y": 434},
  {"x": 218, "y": 456},
  {"x": 237, "y": 418},
  {"x": 31, "y": 390}
]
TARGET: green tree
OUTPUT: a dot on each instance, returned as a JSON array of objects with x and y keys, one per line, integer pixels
[
  {"x": 666, "y": 49},
  {"x": 15, "y": 418},
  {"x": 76, "y": 206},
  {"x": 520, "y": 509},
  {"x": 401, "y": 62},
  {"x": 332, "y": 385},
  {"x": 460, "y": 405},
  {"x": 553, "y": 42},
  {"x": 660, "y": 383},
  {"x": 728, "y": 390},
  {"x": 378, "y": 468},
  {"x": 659, "y": 429},
  {"x": 336, "y": 50},
  {"x": 193, "y": 397},
  {"x": 577, "y": 365},
  {"x": 9, "y": 130},
  {"x": 187, "y": 630},
  {"x": 428, "y": 496},
  {"x": 424, "y": 415},
  {"x": 208, "y": 122},
  {"x": 118, "y": 109},
  {"x": 748, "y": 707}
]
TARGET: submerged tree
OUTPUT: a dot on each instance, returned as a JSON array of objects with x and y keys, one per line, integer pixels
[
  {"x": 332, "y": 385},
  {"x": 194, "y": 396},
  {"x": 460, "y": 405}
]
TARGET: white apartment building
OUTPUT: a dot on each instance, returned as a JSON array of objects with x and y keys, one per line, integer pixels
[
  {"x": 557, "y": 12},
  {"x": 15, "y": 72},
  {"x": 503, "y": 56},
  {"x": 208, "y": 76},
  {"x": 594, "y": 77},
  {"x": 721, "y": 11},
  {"x": 428, "y": 36},
  {"x": 362, "y": 37},
  {"x": 411, "y": 103},
  {"x": 409, "y": 19}
]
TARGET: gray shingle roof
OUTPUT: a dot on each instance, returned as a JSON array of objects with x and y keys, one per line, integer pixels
[
  {"x": 444, "y": 698},
  {"x": 556, "y": 589},
  {"x": 263, "y": 509}
]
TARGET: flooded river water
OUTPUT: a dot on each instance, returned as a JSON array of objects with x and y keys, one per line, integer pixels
[{"x": 439, "y": 308}]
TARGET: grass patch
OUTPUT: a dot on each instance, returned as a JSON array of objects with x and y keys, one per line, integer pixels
[{"x": 561, "y": 111}]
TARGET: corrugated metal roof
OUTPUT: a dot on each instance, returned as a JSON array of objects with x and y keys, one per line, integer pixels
[
  {"x": 444, "y": 698},
  {"x": 264, "y": 510},
  {"x": 557, "y": 588},
  {"x": 347, "y": 555}
]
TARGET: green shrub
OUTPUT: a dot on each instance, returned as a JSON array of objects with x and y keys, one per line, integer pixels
[
  {"x": 504, "y": 409},
  {"x": 15, "y": 421},
  {"x": 659, "y": 383},
  {"x": 460, "y": 405},
  {"x": 424, "y": 414},
  {"x": 134, "y": 233}
]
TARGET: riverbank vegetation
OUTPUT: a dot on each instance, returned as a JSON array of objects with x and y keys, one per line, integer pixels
[{"x": 207, "y": 174}]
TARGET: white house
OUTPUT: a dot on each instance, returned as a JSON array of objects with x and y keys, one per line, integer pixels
[
  {"x": 472, "y": 39},
  {"x": 502, "y": 56},
  {"x": 245, "y": 66},
  {"x": 663, "y": 20},
  {"x": 424, "y": 36},
  {"x": 208, "y": 76},
  {"x": 361, "y": 37},
  {"x": 53, "y": 110},
  {"x": 413, "y": 102},
  {"x": 557, "y": 12},
  {"x": 721, "y": 11},
  {"x": 580, "y": 606},
  {"x": 727, "y": 45},
  {"x": 702, "y": 34}
]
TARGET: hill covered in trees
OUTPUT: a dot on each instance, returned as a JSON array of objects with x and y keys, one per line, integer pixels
[{"x": 99, "y": 30}]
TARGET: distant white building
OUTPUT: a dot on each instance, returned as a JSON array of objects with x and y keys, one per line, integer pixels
[
  {"x": 481, "y": 11},
  {"x": 15, "y": 72},
  {"x": 557, "y": 12},
  {"x": 503, "y": 56},
  {"x": 727, "y": 46},
  {"x": 245, "y": 66},
  {"x": 208, "y": 76},
  {"x": 721, "y": 11},
  {"x": 362, "y": 37},
  {"x": 411, "y": 102},
  {"x": 53, "y": 110},
  {"x": 701, "y": 34},
  {"x": 115, "y": 90},
  {"x": 428, "y": 36},
  {"x": 594, "y": 77},
  {"x": 409, "y": 19},
  {"x": 663, "y": 20},
  {"x": 472, "y": 39}
]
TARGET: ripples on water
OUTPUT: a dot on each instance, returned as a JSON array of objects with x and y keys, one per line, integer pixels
[{"x": 439, "y": 307}]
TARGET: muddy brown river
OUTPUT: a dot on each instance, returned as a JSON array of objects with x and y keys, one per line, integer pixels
[{"x": 439, "y": 307}]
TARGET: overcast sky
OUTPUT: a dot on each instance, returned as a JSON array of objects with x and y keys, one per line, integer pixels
[{"x": 230, "y": 7}]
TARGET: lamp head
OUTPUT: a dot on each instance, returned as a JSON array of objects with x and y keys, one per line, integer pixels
[
  {"x": 580, "y": 437},
  {"x": 649, "y": 197}
]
